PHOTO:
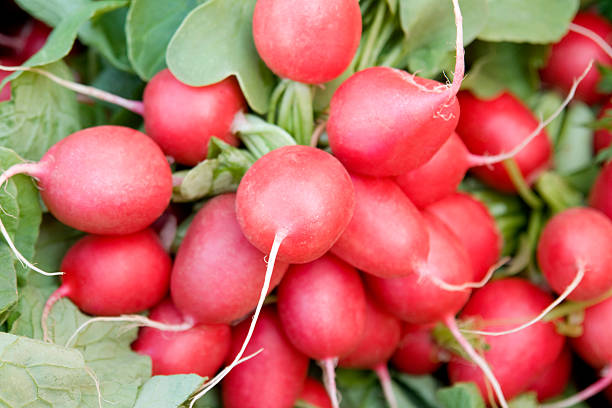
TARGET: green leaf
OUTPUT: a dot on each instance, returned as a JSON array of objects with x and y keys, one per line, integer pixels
[
  {"x": 24, "y": 319},
  {"x": 543, "y": 105},
  {"x": 53, "y": 242},
  {"x": 424, "y": 387},
  {"x": 540, "y": 22},
  {"x": 504, "y": 66},
  {"x": 150, "y": 26},
  {"x": 430, "y": 31},
  {"x": 527, "y": 400},
  {"x": 40, "y": 114},
  {"x": 168, "y": 391},
  {"x": 557, "y": 193},
  {"x": 574, "y": 149},
  {"x": 461, "y": 395},
  {"x": 215, "y": 41}
]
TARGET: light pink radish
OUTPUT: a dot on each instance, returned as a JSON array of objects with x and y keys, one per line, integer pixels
[
  {"x": 417, "y": 353},
  {"x": 217, "y": 274},
  {"x": 314, "y": 394},
  {"x": 601, "y": 192},
  {"x": 307, "y": 41},
  {"x": 200, "y": 350},
  {"x": 274, "y": 378},
  {"x": 386, "y": 236}
]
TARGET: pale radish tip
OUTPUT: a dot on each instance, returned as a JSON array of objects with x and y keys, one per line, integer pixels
[
  {"x": 382, "y": 372},
  {"x": 329, "y": 379}
]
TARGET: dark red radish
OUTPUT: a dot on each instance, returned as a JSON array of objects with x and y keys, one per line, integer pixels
[
  {"x": 601, "y": 192},
  {"x": 515, "y": 359},
  {"x": 602, "y": 138},
  {"x": 314, "y": 394},
  {"x": 307, "y": 41},
  {"x": 386, "y": 236},
  {"x": 575, "y": 238},
  {"x": 217, "y": 274},
  {"x": 315, "y": 314},
  {"x": 494, "y": 126},
  {"x": 554, "y": 379},
  {"x": 113, "y": 275},
  {"x": 418, "y": 298},
  {"x": 34, "y": 37},
  {"x": 5, "y": 92},
  {"x": 417, "y": 353},
  {"x": 183, "y": 118},
  {"x": 472, "y": 223},
  {"x": 570, "y": 56},
  {"x": 200, "y": 350},
  {"x": 273, "y": 378},
  {"x": 439, "y": 177}
]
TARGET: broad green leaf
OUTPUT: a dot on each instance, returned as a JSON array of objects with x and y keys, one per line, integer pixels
[
  {"x": 24, "y": 319},
  {"x": 53, "y": 242},
  {"x": 424, "y": 387},
  {"x": 539, "y": 22},
  {"x": 461, "y": 395},
  {"x": 215, "y": 41},
  {"x": 40, "y": 114},
  {"x": 574, "y": 148},
  {"x": 543, "y": 105},
  {"x": 499, "y": 67},
  {"x": 150, "y": 26},
  {"x": 527, "y": 400},
  {"x": 168, "y": 391},
  {"x": 429, "y": 27}
]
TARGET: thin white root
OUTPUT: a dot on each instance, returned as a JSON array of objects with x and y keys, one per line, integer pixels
[
  {"x": 570, "y": 288},
  {"x": 469, "y": 285},
  {"x": 131, "y": 105},
  {"x": 460, "y": 53},
  {"x": 477, "y": 359},
  {"x": 475, "y": 160},
  {"x": 385, "y": 382},
  {"x": 94, "y": 377},
  {"x": 593, "y": 36},
  {"x": 329, "y": 379},
  {"x": 140, "y": 321},
  {"x": 278, "y": 239},
  {"x": 596, "y": 387}
]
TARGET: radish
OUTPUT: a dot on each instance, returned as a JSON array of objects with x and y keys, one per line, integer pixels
[
  {"x": 601, "y": 192},
  {"x": 314, "y": 394},
  {"x": 5, "y": 92},
  {"x": 271, "y": 379},
  {"x": 595, "y": 343},
  {"x": 217, "y": 273},
  {"x": 516, "y": 359},
  {"x": 386, "y": 236},
  {"x": 307, "y": 41},
  {"x": 573, "y": 238},
  {"x": 569, "y": 56},
  {"x": 381, "y": 336},
  {"x": 553, "y": 380},
  {"x": 417, "y": 353},
  {"x": 104, "y": 275},
  {"x": 200, "y": 350},
  {"x": 315, "y": 315},
  {"x": 602, "y": 138},
  {"x": 385, "y": 122},
  {"x": 472, "y": 223},
  {"x": 101, "y": 180}
]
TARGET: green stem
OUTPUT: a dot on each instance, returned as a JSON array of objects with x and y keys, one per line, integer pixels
[
  {"x": 521, "y": 185},
  {"x": 371, "y": 36},
  {"x": 259, "y": 136},
  {"x": 275, "y": 98},
  {"x": 571, "y": 307}
]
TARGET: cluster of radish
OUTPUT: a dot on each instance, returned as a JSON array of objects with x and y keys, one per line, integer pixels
[{"x": 368, "y": 247}]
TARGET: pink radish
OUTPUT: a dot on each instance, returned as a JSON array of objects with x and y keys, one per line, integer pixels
[
  {"x": 386, "y": 236},
  {"x": 553, "y": 380},
  {"x": 315, "y": 315},
  {"x": 271, "y": 379},
  {"x": 571, "y": 55},
  {"x": 417, "y": 353},
  {"x": 101, "y": 180},
  {"x": 112, "y": 275},
  {"x": 217, "y": 273},
  {"x": 515, "y": 359},
  {"x": 601, "y": 192},
  {"x": 307, "y": 41},
  {"x": 200, "y": 350},
  {"x": 472, "y": 223},
  {"x": 573, "y": 238},
  {"x": 314, "y": 394}
]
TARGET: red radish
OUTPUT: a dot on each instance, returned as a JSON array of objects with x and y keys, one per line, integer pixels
[
  {"x": 36, "y": 34},
  {"x": 271, "y": 379},
  {"x": 217, "y": 273},
  {"x": 385, "y": 122},
  {"x": 417, "y": 352},
  {"x": 183, "y": 118},
  {"x": 200, "y": 350},
  {"x": 112, "y": 275},
  {"x": 314, "y": 394},
  {"x": 515, "y": 359},
  {"x": 386, "y": 236},
  {"x": 307, "y": 41},
  {"x": 5, "y": 92},
  {"x": 601, "y": 192},
  {"x": 573, "y": 238},
  {"x": 490, "y": 127},
  {"x": 101, "y": 180},
  {"x": 417, "y": 298},
  {"x": 318, "y": 320},
  {"x": 595, "y": 343},
  {"x": 571, "y": 55},
  {"x": 553, "y": 380},
  {"x": 602, "y": 138},
  {"x": 472, "y": 223}
]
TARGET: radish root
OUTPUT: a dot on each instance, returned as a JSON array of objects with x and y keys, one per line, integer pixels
[
  {"x": 469, "y": 285},
  {"x": 585, "y": 394},
  {"x": 385, "y": 381},
  {"x": 329, "y": 379},
  {"x": 593, "y": 36}
]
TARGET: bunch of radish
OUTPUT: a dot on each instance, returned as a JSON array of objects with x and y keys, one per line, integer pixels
[{"x": 364, "y": 255}]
